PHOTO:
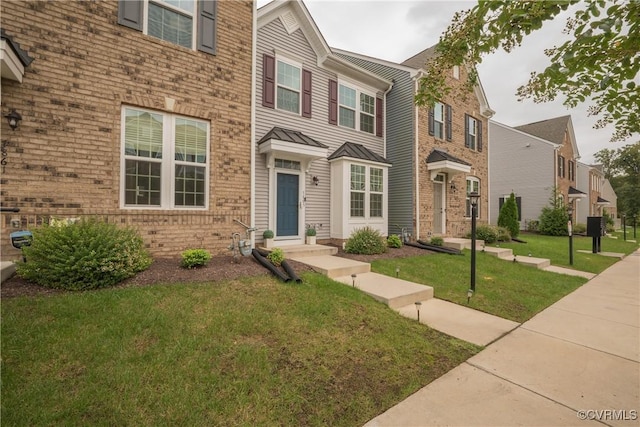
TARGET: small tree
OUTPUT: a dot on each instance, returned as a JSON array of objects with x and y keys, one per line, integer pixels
[
  {"x": 553, "y": 219},
  {"x": 508, "y": 217}
]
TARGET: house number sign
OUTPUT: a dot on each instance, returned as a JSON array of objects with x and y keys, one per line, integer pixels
[{"x": 3, "y": 162}]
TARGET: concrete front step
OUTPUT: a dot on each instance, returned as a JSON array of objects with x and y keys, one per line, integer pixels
[
  {"x": 459, "y": 243},
  {"x": 333, "y": 266},
  {"x": 498, "y": 252},
  {"x": 8, "y": 269},
  {"x": 529, "y": 261},
  {"x": 299, "y": 251},
  {"x": 394, "y": 292}
]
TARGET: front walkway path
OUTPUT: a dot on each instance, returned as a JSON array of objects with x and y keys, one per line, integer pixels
[{"x": 575, "y": 363}]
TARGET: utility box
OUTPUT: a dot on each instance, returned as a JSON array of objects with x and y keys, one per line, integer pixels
[{"x": 595, "y": 229}]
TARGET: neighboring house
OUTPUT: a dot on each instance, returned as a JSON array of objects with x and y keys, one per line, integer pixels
[
  {"x": 138, "y": 112},
  {"x": 599, "y": 193},
  {"x": 320, "y": 156},
  {"x": 531, "y": 161},
  {"x": 439, "y": 154}
]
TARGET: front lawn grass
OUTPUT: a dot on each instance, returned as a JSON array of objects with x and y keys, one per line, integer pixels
[
  {"x": 248, "y": 352},
  {"x": 556, "y": 249},
  {"x": 503, "y": 288}
]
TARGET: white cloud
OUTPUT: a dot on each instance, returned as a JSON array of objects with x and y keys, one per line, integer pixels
[{"x": 397, "y": 30}]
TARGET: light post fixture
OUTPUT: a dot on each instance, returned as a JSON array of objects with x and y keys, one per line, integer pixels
[
  {"x": 473, "y": 200},
  {"x": 634, "y": 225},
  {"x": 418, "y": 304},
  {"x": 570, "y": 229},
  {"x": 624, "y": 226},
  {"x": 13, "y": 118}
]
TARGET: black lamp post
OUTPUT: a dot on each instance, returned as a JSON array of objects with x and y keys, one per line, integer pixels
[
  {"x": 624, "y": 226},
  {"x": 570, "y": 229},
  {"x": 473, "y": 200},
  {"x": 634, "y": 225}
]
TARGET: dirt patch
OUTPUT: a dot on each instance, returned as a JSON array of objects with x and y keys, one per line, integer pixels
[{"x": 220, "y": 268}]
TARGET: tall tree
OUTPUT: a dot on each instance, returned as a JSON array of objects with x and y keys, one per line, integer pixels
[
  {"x": 624, "y": 175},
  {"x": 599, "y": 63}
]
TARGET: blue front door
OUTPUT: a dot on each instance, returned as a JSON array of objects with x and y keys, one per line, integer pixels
[{"x": 287, "y": 206}]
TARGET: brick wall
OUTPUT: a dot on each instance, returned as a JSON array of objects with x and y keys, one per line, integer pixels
[
  {"x": 64, "y": 159},
  {"x": 462, "y": 103}
]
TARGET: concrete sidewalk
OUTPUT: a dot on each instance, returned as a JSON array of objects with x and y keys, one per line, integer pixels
[{"x": 575, "y": 363}]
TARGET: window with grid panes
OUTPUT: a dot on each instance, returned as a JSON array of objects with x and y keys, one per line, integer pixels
[
  {"x": 375, "y": 192},
  {"x": 288, "y": 87},
  {"x": 358, "y": 190}
]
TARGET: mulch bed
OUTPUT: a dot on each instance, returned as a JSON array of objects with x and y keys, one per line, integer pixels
[{"x": 220, "y": 268}]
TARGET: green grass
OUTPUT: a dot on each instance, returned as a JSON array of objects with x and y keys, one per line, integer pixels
[
  {"x": 249, "y": 352},
  {"x": 556, "y": 249},
  {"x": 505, "y": 289}
]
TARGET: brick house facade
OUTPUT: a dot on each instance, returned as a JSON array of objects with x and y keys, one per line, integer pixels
[{"x": 94, "y": 92}]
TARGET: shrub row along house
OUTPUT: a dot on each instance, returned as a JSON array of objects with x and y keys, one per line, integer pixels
[{"x": 188, "y": 120}]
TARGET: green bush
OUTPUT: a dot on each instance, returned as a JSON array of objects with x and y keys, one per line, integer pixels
[
  {"x": 267, "y": 234},
  {"x": 192, "y": 258},
  {"x": 487, "y": 233},
  {"x": 532, "y": 226},
  {"x": 553, "y": 221},
  {"x": 87, "y": 254},
  {"x": 580, "y": 228},
  {"x": 504, "y": 235},
  {"x": 311, "y": 231},
  {"x": 437, "y": 241},
  {"x": 366, "y": 241},
  {"x": 508, "y": 217},
  {"x": 276, "y": 256},
  {"x": 394, "y": 241}
]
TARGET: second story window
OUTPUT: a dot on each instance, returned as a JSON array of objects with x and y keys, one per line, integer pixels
[
  {"x": 472, "y": 133},
  {"x": 561, "y": 166},
  {"x": 347, "y": 109},
  {"x": 288, "y": 83},
  {"x": 440, "y": 121},
  {"x": 356, "y": 109},
  {"x": 367, "y": 112},
  {"x": 572, "y": 171},
  {"x": 185, "y": 23}
]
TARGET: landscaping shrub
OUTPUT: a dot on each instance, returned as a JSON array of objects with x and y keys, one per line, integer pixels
[
  {"x": 553, "y": 221},
  {"x": 487, "y": 233},
  {"x": 437, "y": 241},
  {"x": 504, "y": 235},
  {"x": 366, "y": 241},
  {"x": 394, "y": 241},
  {"x": 267, "y": 234},
  {"x": 276, "y": 256},
  {"x": 192, "y": 258},
  {"x": 87, "y": 254},
  {"x": 580, "y": 228},
  {"x": 508, "y": 216},
  {"x": 311, "y": 231}
]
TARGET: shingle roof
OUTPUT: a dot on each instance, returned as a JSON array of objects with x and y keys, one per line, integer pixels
[
  {"x": 573, "y": 190},
  {"x": 601, "y": 200},
  {"x": 21, "y": 53},
  {"x": 421, "y": 58},
  {"x": 357, "y": 151},
  {"x": 439, "y": 156},
  {"x": 552, "y": 130},
  {"x": 288, "y": 135}
]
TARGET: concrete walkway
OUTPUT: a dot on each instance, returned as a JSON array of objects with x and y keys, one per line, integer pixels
[{"x": 575, "y": 363}]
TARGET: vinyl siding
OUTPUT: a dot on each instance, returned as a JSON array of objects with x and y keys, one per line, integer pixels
[
  {"x": 528, "y": 171},
  {"x": 400, "y": 125},
  {"x": 274, "y": 36}
]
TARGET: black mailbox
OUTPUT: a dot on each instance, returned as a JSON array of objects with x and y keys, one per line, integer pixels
[
  {"x": 21, "y": 238},
  {"x": 595, "y": 226}
]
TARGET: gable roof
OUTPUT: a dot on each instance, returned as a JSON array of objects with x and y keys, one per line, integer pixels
[
  {"x": 294, "y": 14},
  {"x": 421, "y": 58},
  {"x": 22, "y": 54},
  {"x": 439, "y": 156},
  {"x": 357, "y": 151},
  {"x": 553, "y": 130},
  {"x": 293, "y": 136}
]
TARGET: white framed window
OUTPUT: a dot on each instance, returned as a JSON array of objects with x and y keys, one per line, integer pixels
[
  {"x": 472, "y": 132},
  {"x": 164, "y": 160},
  {"x": 367, "y": 191},
  {"x": 171, "y": 20},
  {"x": 288, "y": 86},
  {"x": 438, "y": 120},
  {"x": 473, "y": 185},
  {"x": 356, "y": 109},
  {"x": 376, "y": 190}
]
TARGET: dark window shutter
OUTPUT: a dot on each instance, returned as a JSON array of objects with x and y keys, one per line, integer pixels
[
  {"x": 466, "y": 131},
  {"x": 379, "y": 116},
  {"x": 431, "y": 121},
  {"x": 519, "y": 205},
  {"x": 333, "y": 102},
  {"x": 306, "y": 93},
  {"x": 268, "y": 81},
  {"x": 501, "y": 201},
  {"x": 448, "y": 120},
  {"x": 207, "y": 26},
  {"x": 130, "y": 14},
  {"x": 479, "y": 136}
]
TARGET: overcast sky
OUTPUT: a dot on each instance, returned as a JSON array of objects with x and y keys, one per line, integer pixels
[{"x": 396, "y": 30}]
